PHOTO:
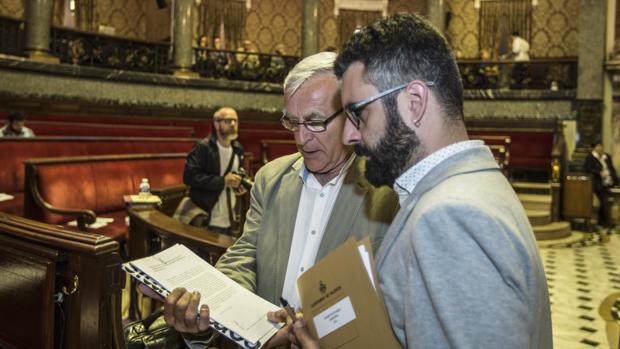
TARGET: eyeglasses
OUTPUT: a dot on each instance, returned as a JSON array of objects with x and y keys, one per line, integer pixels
[
  {"x": 228, "y": 121},
  {"x": 353, "y": 111},
  {"x": 312, "y": 125}
]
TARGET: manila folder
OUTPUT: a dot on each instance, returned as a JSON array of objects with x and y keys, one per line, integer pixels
[{"x": 340, "y": 304}]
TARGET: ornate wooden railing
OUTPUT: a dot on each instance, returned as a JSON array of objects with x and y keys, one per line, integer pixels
[
  {"x": 98, "y": 50},
  {"x": 540, "y": 74},
  {"x": 236, "y": 65},
  {"x": 105, "y": 51},
  {"x": 11, "y": 36}
]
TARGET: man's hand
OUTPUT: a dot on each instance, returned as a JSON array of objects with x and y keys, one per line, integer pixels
[
  {"x": 281, "y": 337},
  {"x": 232, "y": 180},
  {"x": 180, "y": 311},
  {"x": 301, "y": 333}
]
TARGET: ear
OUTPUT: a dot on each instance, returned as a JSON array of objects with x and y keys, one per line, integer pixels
[{"x": 416, "y": 97}]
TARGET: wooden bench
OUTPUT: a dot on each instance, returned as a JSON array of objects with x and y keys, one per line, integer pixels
[
  {"x": 59, "y": 190},
  {"x": 62, "y": 128},
  {"x": 534, "y": 144},
  {"x": 14, "y": 151},
  {"x": 58, "y": 285},
  {"x": 500, "y": 147},
  {"x": 251, "y": 140},
  {"x": 274, "y": 148}
]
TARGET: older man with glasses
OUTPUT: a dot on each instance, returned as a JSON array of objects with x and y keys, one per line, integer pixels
[
  {"x": 302, "y": 205},
  {"x": 459, "y": 267}
]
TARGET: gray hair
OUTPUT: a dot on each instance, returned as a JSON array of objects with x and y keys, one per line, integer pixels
[{"x": 319, "y": 63}]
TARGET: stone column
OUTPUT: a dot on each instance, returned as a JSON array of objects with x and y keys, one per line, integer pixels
[
  {"x": 436, "y": 14},
  {"x": 590, "y": 79},
  {"x": 182, "y": 38},
  {"x": 38, "y": 26},
  {"x": 310, "y": 28}
]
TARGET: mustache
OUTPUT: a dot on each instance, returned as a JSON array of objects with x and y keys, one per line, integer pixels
[{"x": 360, "y": 150}]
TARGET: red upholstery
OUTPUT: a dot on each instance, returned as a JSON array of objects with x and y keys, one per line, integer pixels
[
  {"x": 272, "y": 149},
  {"x": 528, "y": 150},
  {"x": 100, "y": 185},
  {"x": 62, "y": 128},
  {"x": 14, "y": 206},
  {"x": 116, "y": 230},
  {"x": 13, "y": 152},
  {"x": 251, "y": 139},
  {"x": 202, "y": 127}
]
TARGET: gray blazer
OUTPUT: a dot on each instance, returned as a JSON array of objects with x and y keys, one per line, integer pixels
[
  {"x": 258, "y": 260},
  {"x": 459, "y": 267}
]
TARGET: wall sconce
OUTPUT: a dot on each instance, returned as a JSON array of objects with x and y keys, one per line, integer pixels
[{"x": 72, "y": 5}]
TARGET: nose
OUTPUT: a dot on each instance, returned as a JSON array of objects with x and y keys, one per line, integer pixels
[
  {"x": 350, "y": 134},
  {"x": 303, "y": 135}
]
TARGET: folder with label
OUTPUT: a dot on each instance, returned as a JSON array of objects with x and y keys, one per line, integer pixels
[{"x": 342, "y": 302}]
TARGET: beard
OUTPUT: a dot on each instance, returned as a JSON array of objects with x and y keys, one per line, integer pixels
[
  {"x": 389, "y": 159},
  {"x": 229, "y": 135}
]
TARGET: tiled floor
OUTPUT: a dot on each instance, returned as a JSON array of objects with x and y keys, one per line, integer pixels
[{"x": 580, "y": 276}]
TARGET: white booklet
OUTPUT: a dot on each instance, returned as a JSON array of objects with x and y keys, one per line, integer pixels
[{"x": 235, "y": 312}]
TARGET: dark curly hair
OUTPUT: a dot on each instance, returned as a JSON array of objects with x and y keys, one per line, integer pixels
[{"x": 401, "y": 48}]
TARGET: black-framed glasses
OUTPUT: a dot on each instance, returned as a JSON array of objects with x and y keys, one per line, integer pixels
[
  {"x": 228, "y": 121},
  {"x": 312, "y": 125},
  {"x": 353, "y": 111}
]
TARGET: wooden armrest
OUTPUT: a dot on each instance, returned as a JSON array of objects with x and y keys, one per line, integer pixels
[
  {"x": 146, "y": 223},
  {"x": 83, "y": 216},
  {"x": 171, "y": 196}
]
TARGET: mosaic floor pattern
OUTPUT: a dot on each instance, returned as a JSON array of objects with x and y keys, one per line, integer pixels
[{"x": 581, "y": 273}]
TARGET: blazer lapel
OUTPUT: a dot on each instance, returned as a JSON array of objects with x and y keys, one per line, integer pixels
[{"x": 346, "y": 209}]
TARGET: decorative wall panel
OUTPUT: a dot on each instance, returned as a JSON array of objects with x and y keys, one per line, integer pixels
[
  {"x": 12, "y": 8},
  {"x": 328, "y": 36},
  {"x": 554, "y": 28},
  {"x": 272, "y": 22},
  {"x": 128, "y": 17}
]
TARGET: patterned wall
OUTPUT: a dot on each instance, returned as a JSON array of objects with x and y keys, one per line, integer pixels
[
  {"x": 12, "y": 8},
  {"x": 128, "y": 17},
  {"x": 270, "y": 22},
  {"x": 328, "y": 35},
  {"x": 554, "y": 28}
]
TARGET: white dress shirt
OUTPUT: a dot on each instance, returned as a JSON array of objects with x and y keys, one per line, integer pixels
[
  {"x": 315, "y": 207},
  {"x": 219, "y": 214}
]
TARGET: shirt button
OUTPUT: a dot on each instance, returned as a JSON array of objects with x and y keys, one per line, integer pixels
[
  {"x": 302, "y": 269},
  {"x": 313, "y": 232},
  {"x": 322, "y": 195}
]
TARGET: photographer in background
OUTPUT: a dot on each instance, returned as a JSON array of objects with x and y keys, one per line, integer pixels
[
  {"x": 599, "y": 165},
  {"x": 214, "y": 174}
]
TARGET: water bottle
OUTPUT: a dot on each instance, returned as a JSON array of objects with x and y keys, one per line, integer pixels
[{"x": 145, "y": 188}]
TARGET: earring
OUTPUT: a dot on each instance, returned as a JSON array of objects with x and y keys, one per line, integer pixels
[{"x": 416, "y": 123}]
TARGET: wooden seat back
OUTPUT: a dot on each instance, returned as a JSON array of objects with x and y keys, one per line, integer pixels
[
  {"x": 61, "y": 189},
  {"x": 58, "y": 288}
]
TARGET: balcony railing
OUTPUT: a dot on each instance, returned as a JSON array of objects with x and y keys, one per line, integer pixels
[
  {"x": 235, "y": 65},
  {"x": 104, "y": 51},
  {"x": 11, "y": 36},
  {"x": 538, "y": 74},
  {"x": 99, "y": 50}
]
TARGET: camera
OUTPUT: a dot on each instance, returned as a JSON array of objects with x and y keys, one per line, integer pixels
[{"x": 245, "y": 181}]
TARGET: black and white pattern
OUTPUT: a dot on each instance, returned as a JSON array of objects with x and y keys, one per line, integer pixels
[{"x": 580, "y": 276}]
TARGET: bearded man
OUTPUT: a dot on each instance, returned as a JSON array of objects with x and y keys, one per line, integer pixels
[
  {"x": 459, "y": 266},
  {"x": 211, "y": 173}
]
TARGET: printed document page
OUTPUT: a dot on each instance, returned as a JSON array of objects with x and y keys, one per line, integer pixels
[{"x": 231, "y": 305}]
